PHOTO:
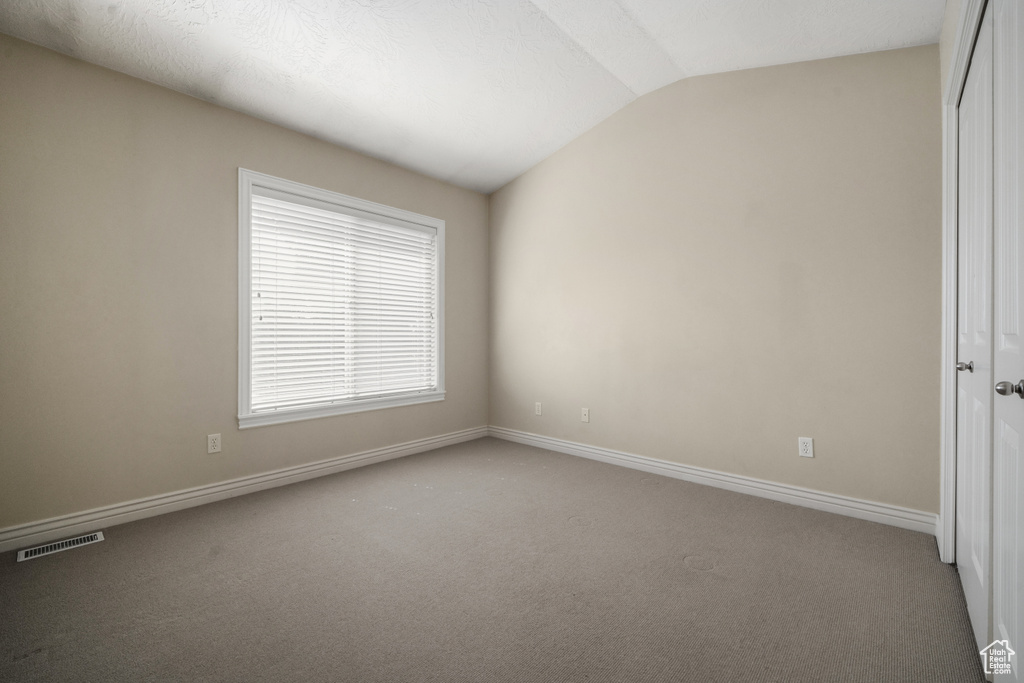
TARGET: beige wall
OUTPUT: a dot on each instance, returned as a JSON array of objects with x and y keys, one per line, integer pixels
[
  {"x": 948, "y": 36},
  {"x": 118, "y": 289},
  {"x": 729, "y": 263}
]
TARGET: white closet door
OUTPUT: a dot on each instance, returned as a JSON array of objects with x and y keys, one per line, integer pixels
[
  {"x": 1008, "y": 362},
  {"x": 974, "y": 336}
]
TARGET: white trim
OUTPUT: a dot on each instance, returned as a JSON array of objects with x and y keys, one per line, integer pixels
[
  {"x": 281, "y": 416},
  {"x": 971, "y": 13},
  {"x": 82, "y": 522},
  {"x": 244, "y": 266},
  {"x": 893, "y": 515},
  {"x": 945, "y": 532},
  {"x": 373, "y": 210},
  {"x": 247, "y": 180},
  {"x": 55, "y": 528}
]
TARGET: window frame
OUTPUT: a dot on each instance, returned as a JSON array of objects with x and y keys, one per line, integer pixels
[{"x": 353, "y": 206}]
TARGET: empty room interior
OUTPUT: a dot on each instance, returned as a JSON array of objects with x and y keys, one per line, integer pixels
[{"x": 511, "y": 340}]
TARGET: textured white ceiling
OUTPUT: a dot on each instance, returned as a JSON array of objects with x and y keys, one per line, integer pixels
[{"x": 470, "y": 91}]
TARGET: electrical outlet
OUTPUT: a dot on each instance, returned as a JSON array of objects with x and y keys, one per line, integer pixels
[
  {"x": 213, "y": 443},
  {"x": 805, "y": 446},
  {"x": 585, "y": 415},
  {"x": 536, "y": 408}
]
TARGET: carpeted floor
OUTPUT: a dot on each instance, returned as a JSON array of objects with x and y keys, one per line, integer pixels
[{"x": 490, "y": 561}]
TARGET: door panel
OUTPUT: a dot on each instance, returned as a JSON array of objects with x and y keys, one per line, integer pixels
[
  {"x": 975, "y": 339},
  {"x": 1008, "y": 361}
]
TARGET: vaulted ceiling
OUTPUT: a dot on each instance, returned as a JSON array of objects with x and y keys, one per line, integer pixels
[{"x": 470, "y": 91}]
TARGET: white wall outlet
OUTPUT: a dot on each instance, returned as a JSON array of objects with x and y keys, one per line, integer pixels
[
  {"x": 585, "y": 415},
  {"x": 805, "y": 446},
  {"x": 213, "y": 443},
  {"x": 536, "y": 408}
]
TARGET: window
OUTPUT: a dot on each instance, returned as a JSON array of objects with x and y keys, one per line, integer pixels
[{"x": 340, "y": 303}]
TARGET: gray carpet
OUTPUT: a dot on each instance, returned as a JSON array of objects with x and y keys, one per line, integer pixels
[{"x": 490, "y": 561}]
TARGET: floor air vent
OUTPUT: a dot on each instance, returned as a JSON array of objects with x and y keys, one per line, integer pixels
[{"x": 57, "y": 546}]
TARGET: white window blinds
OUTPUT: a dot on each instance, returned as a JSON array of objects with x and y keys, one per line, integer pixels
[{"x": 343, "y": 307}]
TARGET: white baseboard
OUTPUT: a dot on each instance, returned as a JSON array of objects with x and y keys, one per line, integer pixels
[
  {"x": 81, "y": 522},
  {"x": 54, "y": 528},
  {"x": 893, "y": 515}
]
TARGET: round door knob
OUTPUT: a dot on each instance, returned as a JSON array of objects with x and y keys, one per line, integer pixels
[
  {"x": 1009, "y": 388},
  {"x": 968, "y": 366}
]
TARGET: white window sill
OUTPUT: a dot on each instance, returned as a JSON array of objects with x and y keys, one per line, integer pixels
[{"x": 281, "y": 416}]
